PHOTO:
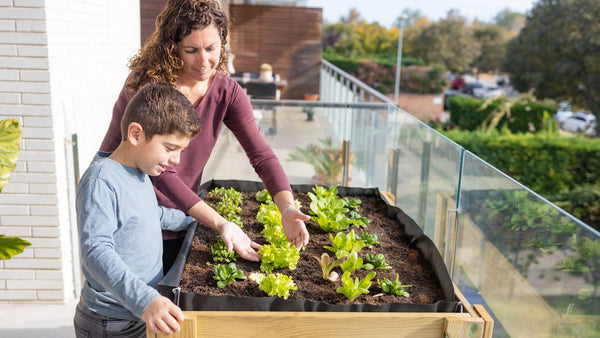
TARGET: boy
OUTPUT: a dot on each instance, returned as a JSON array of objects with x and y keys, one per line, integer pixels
[{"x": 120, "y": 220}]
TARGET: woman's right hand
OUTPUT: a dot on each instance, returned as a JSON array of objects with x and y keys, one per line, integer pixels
[{"x": 236, "y": 239}]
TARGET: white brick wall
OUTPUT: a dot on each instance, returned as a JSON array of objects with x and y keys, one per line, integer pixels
[{"x": 62, "y": 65}]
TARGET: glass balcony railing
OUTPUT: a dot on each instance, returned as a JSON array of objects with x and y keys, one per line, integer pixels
[{"x": 534, "y": 267}]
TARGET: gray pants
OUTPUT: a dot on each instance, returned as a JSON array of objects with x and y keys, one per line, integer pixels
[{"x": 90, "y": 324}]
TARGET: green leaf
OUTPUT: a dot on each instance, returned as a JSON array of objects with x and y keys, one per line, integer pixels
[
  {"x": 10, "y": 137},
  {"x": 10, "y": 246}
]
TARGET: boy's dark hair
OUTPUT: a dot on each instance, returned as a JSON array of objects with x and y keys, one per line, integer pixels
[{"x": 161, "y": 109}]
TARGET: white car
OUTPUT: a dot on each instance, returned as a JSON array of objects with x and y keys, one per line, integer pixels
[
  {"x": 561, "y": 116},
  {"x": 580, "y": 122},
  {"x": 487, "y": 91}
]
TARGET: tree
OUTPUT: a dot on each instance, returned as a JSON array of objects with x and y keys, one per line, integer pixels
[
  {"x": 513, "y": 21},
  {"x": 557, "y": 53},
  {"x": 493, "y": 40},
  {"x": 448, "y": 42}
]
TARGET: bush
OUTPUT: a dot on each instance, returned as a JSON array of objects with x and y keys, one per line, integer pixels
[
  {"x": 562, "y": 169},
  {"x": 466, "y": 112},
  {"x": 423, "y": 80},
  {"x": 380, "y": 73}
]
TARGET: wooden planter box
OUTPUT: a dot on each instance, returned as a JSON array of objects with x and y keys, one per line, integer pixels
[
  {"x": 471, "y": 322},
  {"x": 474, "y": 322}
]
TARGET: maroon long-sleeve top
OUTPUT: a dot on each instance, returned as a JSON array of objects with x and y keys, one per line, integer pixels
[{"x": 226, "y": 103}]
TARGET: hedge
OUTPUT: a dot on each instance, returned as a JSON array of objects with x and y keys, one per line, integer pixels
[
  {"x": 465, "y": 112},
  {"x": 565, "y": 170}
]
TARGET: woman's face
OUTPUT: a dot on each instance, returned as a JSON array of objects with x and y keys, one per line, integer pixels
[{"x": 201, "y": 53}]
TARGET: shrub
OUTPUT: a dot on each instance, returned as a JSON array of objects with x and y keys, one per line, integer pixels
[{"x": 470, "y": 113}]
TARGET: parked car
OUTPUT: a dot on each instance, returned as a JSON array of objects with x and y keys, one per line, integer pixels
[
  {"x": 469, "y": 87},
  {"x": 487, "y": 91},
  {"x": 458, "y": 82},
  {"x": 580, "y": 122},
  {"x": 561, "y": 116}
]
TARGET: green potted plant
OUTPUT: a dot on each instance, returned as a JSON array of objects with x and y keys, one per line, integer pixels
[
  {"x": 325, "y": 159},
  {"x": 10, "y": 136}
]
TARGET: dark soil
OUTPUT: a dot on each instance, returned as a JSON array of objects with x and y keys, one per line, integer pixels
[{"x": 413, "y": 269}]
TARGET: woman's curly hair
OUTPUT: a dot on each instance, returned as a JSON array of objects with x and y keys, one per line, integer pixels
[{"x": 158, "y": 60}]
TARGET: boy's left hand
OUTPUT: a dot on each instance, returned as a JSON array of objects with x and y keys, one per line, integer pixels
[{"x": 162, "y": 316}]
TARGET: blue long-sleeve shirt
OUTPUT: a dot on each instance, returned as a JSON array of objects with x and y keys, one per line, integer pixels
[{"x": 120, "y": 240}]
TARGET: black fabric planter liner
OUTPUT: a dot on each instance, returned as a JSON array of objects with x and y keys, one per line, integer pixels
[{"x": 189, "y": 301}]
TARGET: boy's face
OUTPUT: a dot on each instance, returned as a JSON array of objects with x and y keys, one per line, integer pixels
[{"x": 155, "y": 155}]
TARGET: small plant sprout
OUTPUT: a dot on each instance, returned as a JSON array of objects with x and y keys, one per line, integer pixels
[
  {"x": 229, "y": 205},
  {"x": 226, "y": 274},
  {"x": 264, "y": 197},
  {"x": 369, "y": 239},
  {"x": 327, "y": 264},
  {"x": 353, "y": 262},
  {"x": 377, "y": 261},
  {"x": 274, "y": 284},
  {"x": 220, "y": 253},
  {"x": 343, "y": 244},
  {"x": 277, "y": 257},
  {"x": 394, "y": 287},
  {"x": 354, "y": 288}
]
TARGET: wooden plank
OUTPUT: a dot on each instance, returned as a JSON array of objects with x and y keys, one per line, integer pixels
[
  {"x": 459, "y": 327},
  {"x": 320, "y": 324},
  {"x": 188, "y": 330},
  {"x": 488, "y": 321},
  {"x": 466, "y": 305}
]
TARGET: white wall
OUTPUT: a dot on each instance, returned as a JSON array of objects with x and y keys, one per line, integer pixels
[{"x": 62, "y": 64}]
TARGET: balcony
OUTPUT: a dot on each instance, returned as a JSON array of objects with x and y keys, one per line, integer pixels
[{"x": 526, "y": 260}]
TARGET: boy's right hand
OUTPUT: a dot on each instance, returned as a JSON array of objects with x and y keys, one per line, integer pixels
[{"x": 163, "y": 316}]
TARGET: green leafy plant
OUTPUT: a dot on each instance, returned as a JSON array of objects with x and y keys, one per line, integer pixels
[
  {"x": 377, "y": 261},
  {"x": 354, "y": 288},
  {"x": 353, "y": 262},
  {"x": 229, "y": 205},
  {"x": 277, "y": 257},
  {"x": 10, "y": 137},
  {"x": 263, "y": 196},
  {"x": 330, "y": 211},
  {"x": 328, "y": 264},
  {"x": 369, "y": 239},
  {"x": 227, "y": 274},
  {"x": 325, "y": 159},
  {"x": 343, "y": 244},
  {"x": 270, "y": 217},
  {"x": 276, "y": 284},
  {"x": 393, "y": 286},
  {"x": 220, "y": 253}
]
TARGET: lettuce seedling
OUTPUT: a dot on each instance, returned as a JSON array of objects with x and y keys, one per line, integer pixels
[
  {"x": 343, "y": 244},
  {"x": 274, "y": 284},
  {"x": 220, "y": 253},
  {"x": 278, "y": 257},
  {"x": 229, "y": 205},
  {"x": 327, "y": 264},
  {"x": 353, "y": 262},
  {"x": 354, "y": 288},
  {"x": 369, "y": 239},
  {"x": 394, "y": 287},
  {"x": 226, "y": 274},
  {"x": 264, "y": 197},
  {"x": 377, "y": 261}
]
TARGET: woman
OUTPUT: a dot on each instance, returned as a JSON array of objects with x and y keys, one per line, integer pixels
[{"x": 187, "y": 50}]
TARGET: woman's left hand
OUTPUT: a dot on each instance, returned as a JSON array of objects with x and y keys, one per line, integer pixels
[{"x": 293, "y": 220}]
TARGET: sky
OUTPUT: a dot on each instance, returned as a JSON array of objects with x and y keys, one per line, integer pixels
[{"x": 385, "y": 12}]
